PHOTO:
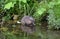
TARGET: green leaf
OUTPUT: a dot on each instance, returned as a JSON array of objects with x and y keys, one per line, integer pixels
[
  {"x": 9, "y": 5},
  {"x": 40, "y": 10},
  {"x": 25, "y": 1}
]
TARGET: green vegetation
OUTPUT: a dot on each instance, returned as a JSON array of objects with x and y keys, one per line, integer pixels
[{"x": 45, "y": 12}]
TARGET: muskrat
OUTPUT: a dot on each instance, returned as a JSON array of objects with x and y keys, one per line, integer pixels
[
  {"x": 27, "y": 24},
  {"x": 28, "y": 21}
]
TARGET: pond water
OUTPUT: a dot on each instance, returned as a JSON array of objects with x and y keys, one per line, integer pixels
[
  {"x": 51, "y": 34},
  {"x": 40, "y": 34}
]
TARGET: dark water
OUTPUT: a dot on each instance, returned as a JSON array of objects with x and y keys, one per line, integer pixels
[
  {"x": 39, "y": 34},
  {"x": 53, "y": 34},
  {"x": 50, "y": 34}
]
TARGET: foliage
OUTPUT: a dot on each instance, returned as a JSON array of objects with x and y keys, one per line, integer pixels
[
  {"x": 54, "y": 16},
  {"x": 8, "y": 5},
  {"x": 40, "y": 10},
  {"x": 11, "y": 9}
]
